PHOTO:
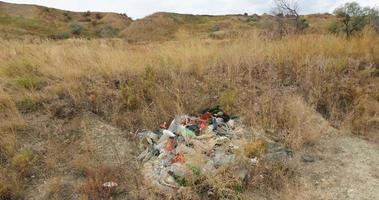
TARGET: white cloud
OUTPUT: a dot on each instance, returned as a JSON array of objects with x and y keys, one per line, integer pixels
[{"x": 141, "y": 8}]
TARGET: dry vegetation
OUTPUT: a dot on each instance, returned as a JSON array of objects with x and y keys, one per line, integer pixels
[{"x": 282, "y": 86}]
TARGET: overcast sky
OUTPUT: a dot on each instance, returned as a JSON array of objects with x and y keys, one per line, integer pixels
[{"x": 141, "y": 8}]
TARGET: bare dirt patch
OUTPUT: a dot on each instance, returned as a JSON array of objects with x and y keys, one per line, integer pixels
[{"x": 344, "y": 168}]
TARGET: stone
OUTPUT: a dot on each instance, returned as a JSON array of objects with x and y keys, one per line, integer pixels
[{"x": 308, "y": 158}]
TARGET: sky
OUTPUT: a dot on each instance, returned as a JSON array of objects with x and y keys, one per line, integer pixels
[{"x": 140, "y": 8}]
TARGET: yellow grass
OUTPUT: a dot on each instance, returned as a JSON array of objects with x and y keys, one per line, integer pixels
[{"x": 296, "y": 86}]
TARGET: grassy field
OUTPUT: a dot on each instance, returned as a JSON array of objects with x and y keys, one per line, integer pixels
[{"x": 278, "y": 86}]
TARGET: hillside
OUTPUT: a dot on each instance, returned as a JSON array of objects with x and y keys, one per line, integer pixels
[
  {"x": 18, "y": 20},
  {"x": 160, "y": 26}
]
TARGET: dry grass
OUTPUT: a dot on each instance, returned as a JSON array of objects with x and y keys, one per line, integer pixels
[{"x": 282, "y": 85}]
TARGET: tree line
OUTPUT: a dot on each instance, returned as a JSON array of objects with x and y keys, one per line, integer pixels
[{"x": 350, "y": 18}]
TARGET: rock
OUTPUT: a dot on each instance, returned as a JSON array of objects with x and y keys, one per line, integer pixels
[
  {"x": 276, "y": 156},
  {"x": 273, "y": 147},
  {"x": 243, "y": 174},
  {"x": 307, "y": 158}
]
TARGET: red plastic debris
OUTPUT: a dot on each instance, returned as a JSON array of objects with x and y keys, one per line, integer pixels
[
  {"x": 178, "y": 158},
  {"x": 169, "y": 145},
  {"x": 203, "y": 121},
  {"x": 206, "y": 116},
  {"x": 203, "y": 124}
]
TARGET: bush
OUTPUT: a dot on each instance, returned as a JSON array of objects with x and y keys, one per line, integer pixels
[
  {"x": 333, "y": 27},
  {"x": 353, "y": 18},
  {"x": 76, "y": 29},
  {"x": 107, "y": 32},
  {"x": 98, "y": 16},
  {"x": 129, "y": 94},
  {"x": 60, "y": 36},
  {"x": 67, "y": 16},
  {"x": 87, "y": 14}
]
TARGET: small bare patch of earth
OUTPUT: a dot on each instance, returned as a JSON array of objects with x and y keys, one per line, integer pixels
[
  {"x": 345, "y": 167},
  {"x": 107, "y": 144}
]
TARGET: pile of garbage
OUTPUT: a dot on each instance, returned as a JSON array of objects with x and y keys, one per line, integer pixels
[{"x": 192, "y": 145}]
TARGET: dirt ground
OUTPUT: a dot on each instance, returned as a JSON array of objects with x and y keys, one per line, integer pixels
[{"x": 345, "y": 167}]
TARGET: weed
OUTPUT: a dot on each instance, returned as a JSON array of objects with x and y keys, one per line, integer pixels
[
  {"x": 272, "y": 176},
  {"x": 149, "y": 80},
  {"x": 254, "y": 149},
  {"x": 10, "y": 185},
  {"x": 20, "y": 67},
  {"x": 228, "y": 100},
  {"x": 29, "y": 82},
  {"x": 95, "y": 178},
  {"x": 22, "y": 161},
  {"x": 129, "y": 94},
  {"x": 30, "y": 103},
  {"x": 296, "y": 86},
  {"x": 9, "y": 114}
]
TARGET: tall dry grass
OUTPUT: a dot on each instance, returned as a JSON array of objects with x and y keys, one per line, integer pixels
[{"x": 295, "y": 87}]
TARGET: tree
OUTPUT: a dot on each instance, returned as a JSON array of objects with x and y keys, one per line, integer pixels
[
  {"x": 289, "y": 9},
  {"x": 353, "y": 18},
  {"x": 372, "y": 18}
]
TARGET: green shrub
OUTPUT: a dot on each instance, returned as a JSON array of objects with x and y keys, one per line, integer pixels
[
  {"x": 29, "y": 82},
  {"x": 333, "y": 27},
  {"x": 129, "y": 95},
  {"x": 107, "y": 32},
  {"x": 76, "y": 29},
  {"x": 353, "y": 18}
]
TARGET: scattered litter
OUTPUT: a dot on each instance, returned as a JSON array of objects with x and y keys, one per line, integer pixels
[
  {"x": 254, "y": 161},
  {"x": 110, "y": 184},
  {"x": 178, "y": 158},
  {"x": 163, "y": 126},
  {"x": 195, "y": 145}
]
